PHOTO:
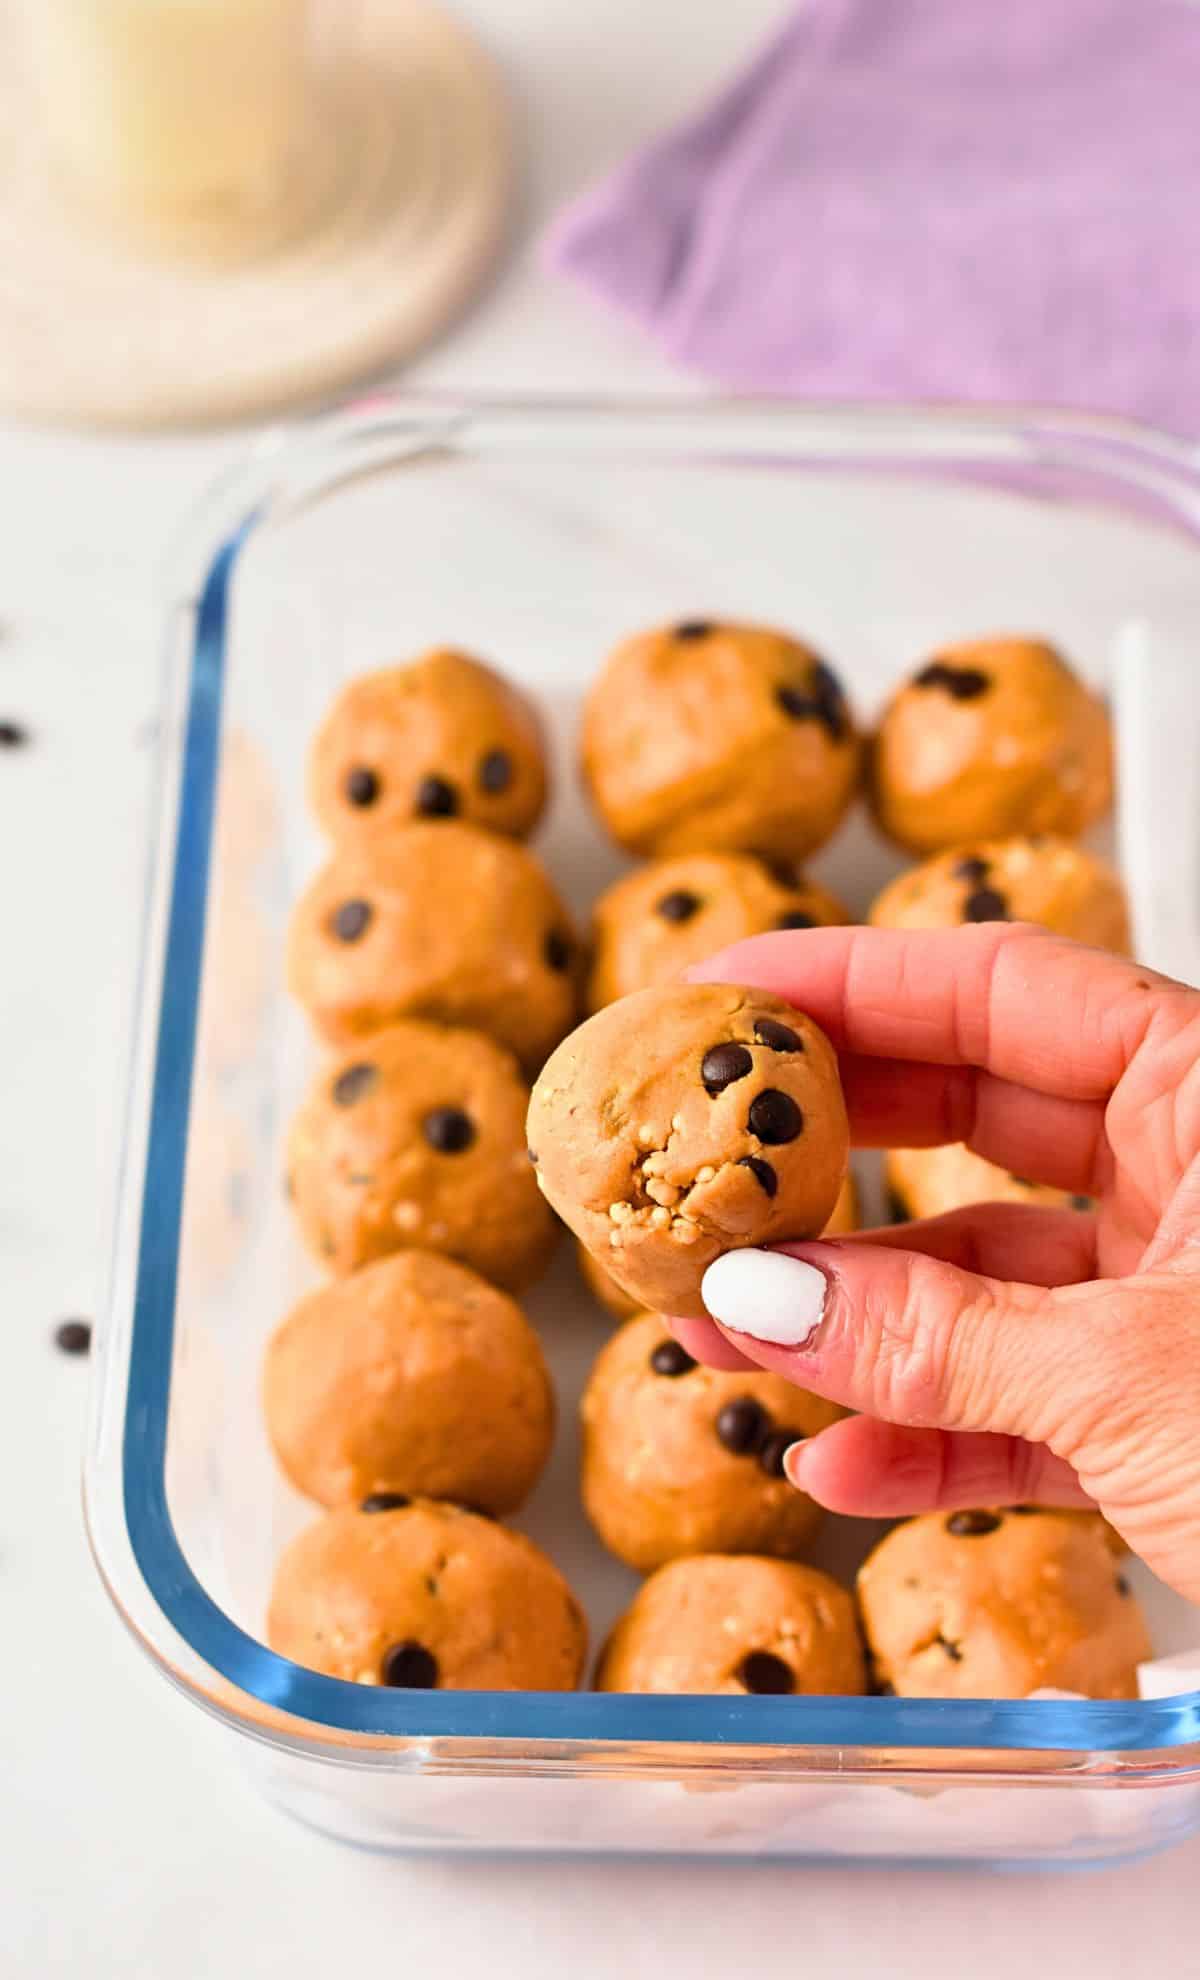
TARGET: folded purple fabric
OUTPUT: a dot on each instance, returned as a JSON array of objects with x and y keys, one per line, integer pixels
[{"x": 963, "y": 199}]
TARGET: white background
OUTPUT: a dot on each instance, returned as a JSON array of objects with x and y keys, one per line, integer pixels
[{"x": 129, "y": 1844}]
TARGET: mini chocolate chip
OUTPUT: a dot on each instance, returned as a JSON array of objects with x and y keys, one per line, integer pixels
[
  {"x": 779, "y": 1037},
  {"x": 448, "y": 1130},
  {"x": 972, "y": 869},
  {"x": 532, "y": 1154},
  {"x": 361, "y": 786},
  {"x": 953, "y": 1650},
  {"x": 775, "y": 1449},
  {"x": 73, "y": 1336},
  {"x": 762, "y": 1672},
  {"x": 671, "y": 1359},
  {"x": 356, "y": 1080},
  {"x": 742, "y": 1425},
  {"x": 678, "y": 905},
  {"x": 985, "y": 904},
  {"x": 764, "y": 1175},
  {"x": 12, "y": 735},
  {"x": 694, "y": 629},
  {"x": 1122, "y": 1586},
  {"x": 897, "y": 1209},
  {"x": 722, "y": 1065},
  {"x": 557, "y": 951},
  {"x": 1081, "y": 1203},
  {"x": 384, "y": 1502},
  {"x": 934, "y": 675},
  {"x": 796, "y": 918},
  {"x": 962, "y": 683},
  {"x": 410, "y": 1667},
  {"x": 351, "y": 919},
  {"x": 969, "y": 1525},
  {"x": 435, "y": 798},
  {"x": 827, "y": 691},
  {"x": 774, "y": 1117},
  {"x": 800, "y": 706},
  {"x": 495, "y": 772}
]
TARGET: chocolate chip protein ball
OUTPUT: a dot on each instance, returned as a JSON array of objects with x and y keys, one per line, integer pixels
[
  {"x": 998, "y": 1604},
  {"x": 442, "y": 737},
  {"x": 989, "y": 738},
  {"x": 623, "y": 1306},
  {"x": 410, "y": 1376},
  {"x": 418, "y": 1595},
  {"x": 735, "y": 1624},
  {"x": 1049, "y": 881},
  {"x": 438, "y": 921},
  {"x": 656, "y": 922},
  {"x": 684, "y": 1122},
  {"x": 713, "y": 737},
  {"x": 682, "y": 1459},
  {"x": 415, "y": 1139},
  {"x": 928, "y": 1182}
]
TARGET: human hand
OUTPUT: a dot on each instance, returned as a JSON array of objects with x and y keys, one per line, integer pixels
[{"x": 1002, "y": 1354}]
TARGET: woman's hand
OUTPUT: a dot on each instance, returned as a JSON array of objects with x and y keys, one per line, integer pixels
[{"x": 1001, "y": 1354}]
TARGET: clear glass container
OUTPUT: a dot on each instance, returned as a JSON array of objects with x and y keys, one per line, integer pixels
[{"x": 537, "y": 534}]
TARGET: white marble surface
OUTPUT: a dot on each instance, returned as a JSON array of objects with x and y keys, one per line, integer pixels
[{"x": 130, "y": 1846}]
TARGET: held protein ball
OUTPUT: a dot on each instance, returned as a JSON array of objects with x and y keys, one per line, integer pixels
[
  {"x": 441, "y": 737},
  {"x": 985, "y": 1604},
  {"x": 439, "y": 921},
  {"x": 1050, "y": 881},
  {"x": 420, "y": 1595},
  {"x": 736, "y": 1625},
  {"x": 410, "y": 1376},
  {"x": 987, "y": 739},
  {"x": 601, "y": 1284},
  {"x": 415, "y": 1140},
  {"x": 684, "y": 1122},
  {"x": 712, "y": 737},
  {"x": 683, "y": 1459},
  {"x": 929, "y": 1182},
  {"x": 653, "y": 924}
]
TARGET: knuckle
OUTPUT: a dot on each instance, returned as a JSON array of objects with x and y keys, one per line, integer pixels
[{"x": 922, "y": 1374}]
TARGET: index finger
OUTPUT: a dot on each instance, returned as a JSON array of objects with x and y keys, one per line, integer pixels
[{"x": 1010, "y": 999}]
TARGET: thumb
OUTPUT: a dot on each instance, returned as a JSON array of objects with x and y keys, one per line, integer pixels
[{"x": 902, "y": 1336}]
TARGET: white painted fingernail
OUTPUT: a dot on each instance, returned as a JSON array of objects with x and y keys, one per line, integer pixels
[{"x": 766, "y": 1294}]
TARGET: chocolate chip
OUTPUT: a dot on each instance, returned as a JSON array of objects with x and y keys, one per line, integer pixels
[
  {"x": 722, "y": 1065},
  {"x": 953, "y": 1650},
  {"x": 985, "y": 904},
  {"x": 351, "y": 920},
  {"x": 361, "y": 786},
  {"x": 742, "y": 1425},
  {"x": 1081, "y": 1203},
  {"x": 448, "y": 1130},
  {"x": 779, "y": 1037},
  {"x": 800, "y": 706},
  {"x": 897, "y": 1209},
  {"x": 764, "y": 1175},
  {"x": 73, "y": 1336},
  {"x": 962, "y": 683},
  {"x": 678, "y": 905},
  {"x": 495, "y": 772},
  {"x": 353, "y": 1082},
  {"x": 775, "y": 1449},
  {"x": 796, "y": 918},
  {"x": 384, "y": 1502},
  {"x": 762, "y": 1672},
  {"x": 972, "y": 869},
  {"x": 774, "y": 1117},
  {"x": 557, "y": 951},
  {"x": 694, "y": 629},
  {"x": 410, "y": 1667},
  {"x": 827, "y": 691},
  {"x": 12, "y": 735},
  {"x": 671, "y": 1359},
  {"x": 1122, "y": 1586},
  {"x": 969, "y": 1525},
  {"x": 435, "y": 798}
]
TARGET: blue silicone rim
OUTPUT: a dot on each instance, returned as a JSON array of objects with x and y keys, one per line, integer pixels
[{"x": 566, "y": 1718}]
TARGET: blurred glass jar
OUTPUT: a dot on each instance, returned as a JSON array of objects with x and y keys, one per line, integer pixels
[{"x": 181, "y": 122}]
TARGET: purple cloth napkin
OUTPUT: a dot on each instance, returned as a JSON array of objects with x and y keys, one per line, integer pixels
[{"x": 932, "y": 199}]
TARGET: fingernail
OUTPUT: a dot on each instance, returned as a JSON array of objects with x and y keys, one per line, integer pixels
[
  {"x": 767, "y": 1295},
  {"x": 793, "y": 1465}
]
